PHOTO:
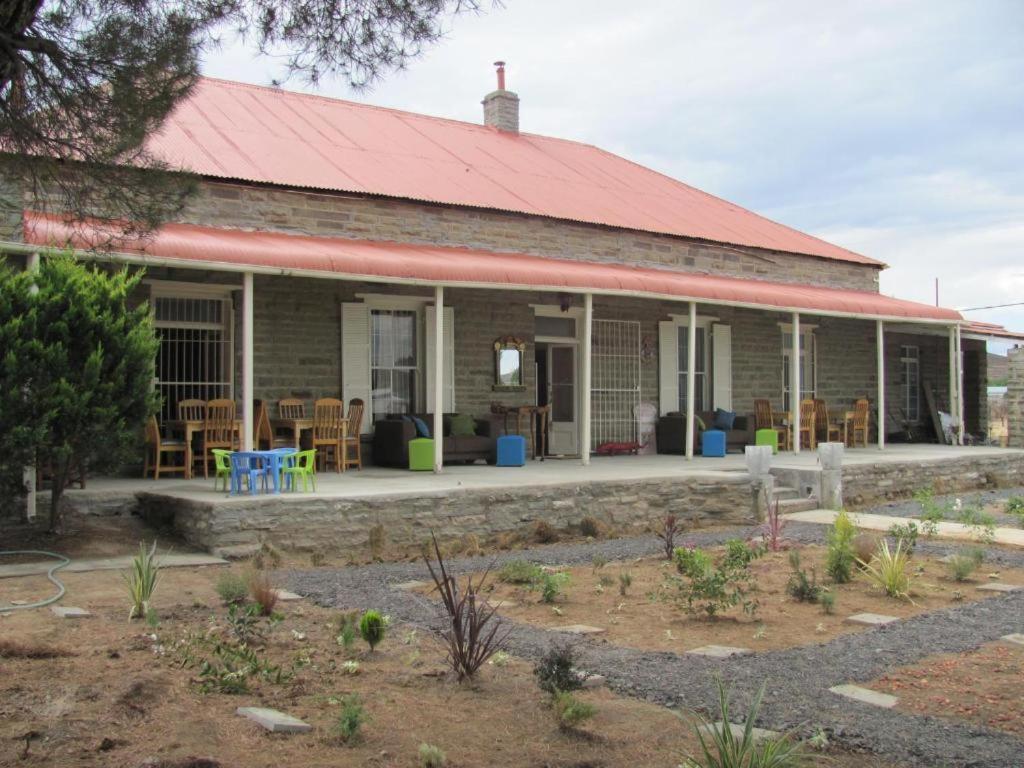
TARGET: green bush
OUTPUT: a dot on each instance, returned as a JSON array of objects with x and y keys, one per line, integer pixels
[
  {"x": 590, "y": 527},
  {"x": 556, "y": 670},
  {"x": 432, "y": 757},
  {"x": 799, "y": 586},
  {"x": 933, "y": 512},
  {"x": 232, "y": 587},
  {"x": 350, "y": 719},
  {"x": 710, "y": 587},
  {"x": 962, "y": 565},
  {"x": 1015, "y": 508},
  {"x": 828, "y": 602},
  {"x": 906, "y": 534},
  {"x": 570, "y": 711},
  {"x": 625, "y": 582},
  {"x": 519, "y": 572},
  {"x": 347, "y": 631},
  {"x": 371, "y": 628},
  {"x": 551, "y": 585},
  {"x": 840, "y": 559}
]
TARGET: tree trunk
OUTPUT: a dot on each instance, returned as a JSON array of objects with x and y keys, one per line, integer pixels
[{"x": 58, "y": 481}]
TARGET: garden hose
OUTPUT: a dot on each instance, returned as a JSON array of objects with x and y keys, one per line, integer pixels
[{"x": 49, "y": 574}]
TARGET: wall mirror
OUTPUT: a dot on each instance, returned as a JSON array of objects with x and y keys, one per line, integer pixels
[{"x": 509, "y": 353}]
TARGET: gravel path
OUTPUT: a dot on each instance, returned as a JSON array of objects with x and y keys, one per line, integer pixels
[{"x": 797, "y": 679}]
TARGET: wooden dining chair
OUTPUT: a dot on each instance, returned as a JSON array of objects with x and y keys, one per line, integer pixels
[
  {"x": 329, "y": 431},
  {"x": 827, "y": 431},
  {"x": 218, "y": 430},
  {"x": 192, "y": 410},
  {"x": 156, "y": 447},
  {"x": 766, "y": 418},
  {"x": 807, "y": 426},
  {"x": 861, "y": 424},
  {"x": 266, "y": 440},
  {"x": 291, "y": 408},
  {"x": 352, "y": 447}
]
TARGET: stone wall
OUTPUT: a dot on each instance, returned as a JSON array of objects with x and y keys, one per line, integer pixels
[
  {"x": 1015, "y": 398},
  {"x": 353, "y": 216},
  {"x": 340, "y": 524}
]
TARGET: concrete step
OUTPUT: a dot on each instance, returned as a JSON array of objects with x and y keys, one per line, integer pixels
[
  {"x": 781, "y": 492},
  {"x": 797, "y": 505}
]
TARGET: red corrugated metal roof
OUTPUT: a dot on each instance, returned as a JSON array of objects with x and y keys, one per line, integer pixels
[
  {"x": 250, "y": 133},
  {"x": 992, "y": 330},
  {"x": 433, "y": 265}
]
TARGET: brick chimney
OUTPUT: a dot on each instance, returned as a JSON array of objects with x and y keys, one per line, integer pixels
[{"x": 501, "y": 107}]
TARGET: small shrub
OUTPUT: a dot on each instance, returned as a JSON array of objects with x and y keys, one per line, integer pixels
[
  {"x": 544, "y": 532},
  {"x": 141, "y": 580},
  {"x": 350, "y": 719},
  {"x": 625, "y": 582},
  {"x": 605, "y": 580},
  {"x": 864, "y": 546},
  {"x": 263, "y": 593},
  {"x": 244, "y": 623},
  {"x": 377, "y": 537},
  {"x": 569, "y": 711},
  {"x": 267, "y": 556},
  {"x": 432, "y": 757},
  {"x": 347, "y": 631},
  {"x": 711, "y": 587},
  {"x": 982, "y": 524},
  {"x": 598, "y": 562},
  {"x": 590, "y": 528},
  {"x": 720, "y": 748},
  {"x": 799, "y": 586},
  {"x": 317, "y": 558},
  {"x": 372, "y": 628},
  {"x": 1015, "y": 508},
  {"x": 519, "y": 572},
  {"x": 840, "y": 558},
  {"x": 232, "y": 587},
  {"x": 551, "y": 585},
  {"x": 828, "y": 602},
  {"x": 932, "y": 511},
  {"x": 905, "y": 533},
  {"x": 962, "y": 565},
  {"x": 471, "y": 545},
  {"x": 888, "y": 570},
  {"x": 556, "y": 670},
  {"x": 670, "y": 528}
]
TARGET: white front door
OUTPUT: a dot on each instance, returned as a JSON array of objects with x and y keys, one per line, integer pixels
[{"x": 562, "y": 394}]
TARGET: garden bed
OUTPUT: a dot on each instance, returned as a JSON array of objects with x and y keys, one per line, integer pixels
[
  {"x": 982, "y": 687},
  {"x": 649, "y": 618}
]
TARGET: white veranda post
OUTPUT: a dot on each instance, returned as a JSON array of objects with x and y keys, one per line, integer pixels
[
  {"x": 588, "y": 329},
  {"x": 794, "y": 383},
  {"x": 247, "y": 350},
  {"x": 438, "y": 427},
  {"x": 880, "y": 338},
  {"x": 959, "y": 388},
  {"x": 691, "y": 389},
  {"x": 953, "y": 408}
]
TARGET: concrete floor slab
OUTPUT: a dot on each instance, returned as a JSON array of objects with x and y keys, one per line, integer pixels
[
  {"x": 285, "y": 596},
  {"x": 170, "y": 560},
  {"x": 578, "y": 629},
  {"x": 69, "y": 612},
  {"x": 719, "y": 651},
  {"x": 1016, "y": 638},
  {"x": 759, "y": 734},
  {"x": 409, "y": 586},
  {"x": 871, "y": 619},
  {"x": 959, "y": 531},
  {"x": 274, "y": 721},
  {"x": 996, "y": 586},
  {"x": 865, "y": 695}
]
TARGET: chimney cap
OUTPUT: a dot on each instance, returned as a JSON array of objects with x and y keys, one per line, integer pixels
[{"x": 501, "y": 74}]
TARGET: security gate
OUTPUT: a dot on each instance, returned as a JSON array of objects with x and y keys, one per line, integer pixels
[{"x": 615, "y": 381}]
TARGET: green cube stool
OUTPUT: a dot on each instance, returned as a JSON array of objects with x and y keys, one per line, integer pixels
[
  {"x": 421, "y": 454},
  {"x": 767, "y": 437}
]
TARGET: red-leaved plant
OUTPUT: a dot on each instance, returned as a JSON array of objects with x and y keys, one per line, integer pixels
[
  {"x": 670, "y": 528},
  {"x": 771, "y": 530}
]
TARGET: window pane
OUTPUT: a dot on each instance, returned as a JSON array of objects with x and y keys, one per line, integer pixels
[
  {"x": 404, "y": 343},
  {"x": 556, "y": 326}
]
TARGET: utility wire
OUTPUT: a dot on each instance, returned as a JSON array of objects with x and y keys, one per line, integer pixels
[{"x": 993, "y": 306}]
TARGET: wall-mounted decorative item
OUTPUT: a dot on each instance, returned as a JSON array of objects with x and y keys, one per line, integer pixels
[
  {"x": 565, "y": 301},
  {"x": 647, "y": 348},
  {"x": 509, "y": 353}
]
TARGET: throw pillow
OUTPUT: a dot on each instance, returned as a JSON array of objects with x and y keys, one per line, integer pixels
[
  {"x": 463, "y": 425},
  {"x": 422, "y": 430},
  {"x": 724, "y": 420}
]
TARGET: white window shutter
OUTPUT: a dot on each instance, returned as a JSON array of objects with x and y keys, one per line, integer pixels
[
  {"x": 721, "y": 345},
  {"x": 668, "y": 367},
  {"x": 448, "y": 330},
  {"x": 355, "y": 357}
]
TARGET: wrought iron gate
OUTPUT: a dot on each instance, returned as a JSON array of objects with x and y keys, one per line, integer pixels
[{"x": 615, "y": 380}]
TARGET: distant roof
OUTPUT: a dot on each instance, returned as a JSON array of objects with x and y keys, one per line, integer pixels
[
  {"x": 991, "y": 330},
  {"x": 283, "y": 253},
  {"x": 251, "y": 133}
]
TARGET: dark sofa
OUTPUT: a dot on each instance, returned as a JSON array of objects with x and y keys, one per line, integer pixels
[
  {"x": 392, "y": 433},
  {"x": 670, "y": 432}
]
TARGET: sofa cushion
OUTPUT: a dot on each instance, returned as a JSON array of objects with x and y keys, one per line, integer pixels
[
  {"x": 422, "y": 430},
  {"x": 724, "y": 420},
  {"x": 463, "y": 425}
]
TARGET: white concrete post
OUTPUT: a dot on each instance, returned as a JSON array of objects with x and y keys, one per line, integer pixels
[
  {"x": 794, "y": 383},
  {"x": 438, "y": 429},
  {"x": 880, "y": 344},
  {"x": 953, "y": 408},
  {"x": 29, "y": 472},
  {"x": 959, "y": 387},
  {"x": 691, "y": 388},
  {"x": 588, "y": 329},
  {"x": 247, "y": 354}
]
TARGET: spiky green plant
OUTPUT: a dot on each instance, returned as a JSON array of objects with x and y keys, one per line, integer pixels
[
  {"x": 840, "y": 558},
  {"x": 431, "y": 756},
  {"x": 721, "y": 748},
  {"x": 888, "y": 570},
  {"x": 570, "y": 711},
  {"x": 372, "y": 628},
  {"x": 141, "y": 580}
]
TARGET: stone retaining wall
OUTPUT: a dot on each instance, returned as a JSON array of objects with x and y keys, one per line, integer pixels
[
  {"x": 869, "y": 484},
  {"x": 340, "y": 524}
]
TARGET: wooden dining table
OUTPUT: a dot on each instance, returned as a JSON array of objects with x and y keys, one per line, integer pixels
[
  {"x": 295, "y": 426},
  {"x": 189, "y": 427}
]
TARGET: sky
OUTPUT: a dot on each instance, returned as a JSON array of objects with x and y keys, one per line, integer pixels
[{"x": 894, "y": 128}]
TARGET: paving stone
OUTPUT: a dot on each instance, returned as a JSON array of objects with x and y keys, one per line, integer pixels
[
  {"x": 759, "y": 734},
  {"x": 871, "y": 619},
  {"x": 594, "y": 681},
  {"x": 69, "y": 612},
  {"x": 286, "y": 596},
  {"x": 996, "y": 586},
  {"x": 409, "y": 586},
  {"x": 578, "y": 629},
  {"x": 865, "y": 695},
  {"x": 274, "y": 721},
  {"x": 720, "y": 651},
  {"x": 1014, "y": 638}
]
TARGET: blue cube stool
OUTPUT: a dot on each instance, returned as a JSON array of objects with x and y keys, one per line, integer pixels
[
  {"x": 511, "y": 451},
  {"x": 712, "y": 442}
]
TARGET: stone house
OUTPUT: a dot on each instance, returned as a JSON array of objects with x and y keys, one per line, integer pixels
[{"x": 326, "y": 235}]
